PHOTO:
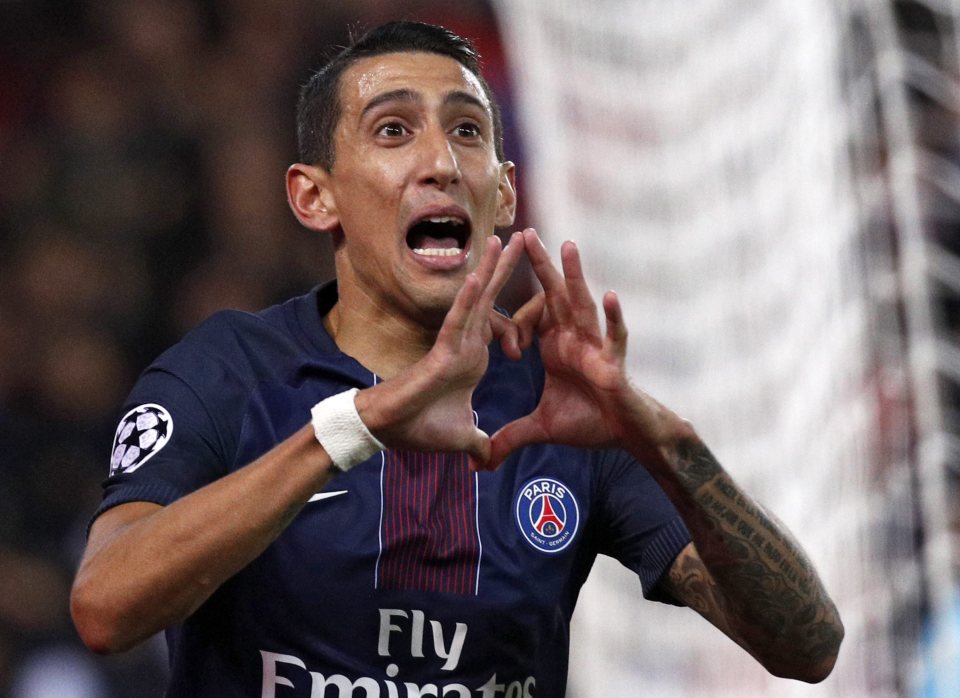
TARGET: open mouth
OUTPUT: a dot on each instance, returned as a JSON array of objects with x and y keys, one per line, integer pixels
[{"x": 439, "y": 236}]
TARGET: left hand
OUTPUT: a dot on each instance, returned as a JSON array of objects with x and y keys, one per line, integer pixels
[
  {"x": 427, "y": 406},
  {"x": 759, "y": 588},
  {"x": 587, "y": 394}
]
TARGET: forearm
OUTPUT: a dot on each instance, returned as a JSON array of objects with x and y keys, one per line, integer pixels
[
  {"x": 156, "y": 568},
  {"x": 769, "y": 596}
]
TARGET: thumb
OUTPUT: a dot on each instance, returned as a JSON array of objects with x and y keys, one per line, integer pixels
[
  {"x": 527, "y": 319},
  {"x": 513, "y": 435},
  {"x": 478, "y": 450},
  {"x": 504, "y": 328}
]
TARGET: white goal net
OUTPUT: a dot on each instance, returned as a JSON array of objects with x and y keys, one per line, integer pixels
[{"x": 747, "y": 175}]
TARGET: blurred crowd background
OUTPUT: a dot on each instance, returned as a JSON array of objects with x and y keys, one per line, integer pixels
[{"x": 143, "y": 145}]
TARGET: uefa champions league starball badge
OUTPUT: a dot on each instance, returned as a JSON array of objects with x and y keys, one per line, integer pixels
[
  {"x": 142, "y": 432},
  {"x": 547, "y": 514}
]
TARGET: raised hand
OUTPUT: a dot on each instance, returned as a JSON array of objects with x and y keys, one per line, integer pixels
[
  {"x": 428, "y": 406},
  {"x": 744, "y": 572},
  {"x": 587, "y": 400}
]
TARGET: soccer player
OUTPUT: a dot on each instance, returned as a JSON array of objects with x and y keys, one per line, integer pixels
[{"x": 307, "y": 498}]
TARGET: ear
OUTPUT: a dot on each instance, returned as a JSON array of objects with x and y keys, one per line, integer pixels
[
  {"x": 506, "y": 195},
  {"x": 310, "y": 197}
]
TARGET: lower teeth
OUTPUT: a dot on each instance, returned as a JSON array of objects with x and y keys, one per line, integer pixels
[{"x": 438, "y": 252}]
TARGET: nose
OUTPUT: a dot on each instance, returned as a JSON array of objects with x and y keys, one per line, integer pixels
[{"x": 440, "y": 164}]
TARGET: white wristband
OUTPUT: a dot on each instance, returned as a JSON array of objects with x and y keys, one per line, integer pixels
[{"x": 341, "y": 432}]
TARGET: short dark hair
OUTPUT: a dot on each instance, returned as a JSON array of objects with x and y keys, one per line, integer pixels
[{"x": 318, "y": 110}]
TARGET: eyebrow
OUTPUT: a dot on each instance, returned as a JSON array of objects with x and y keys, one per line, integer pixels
[{"x": 407, "y": 95}]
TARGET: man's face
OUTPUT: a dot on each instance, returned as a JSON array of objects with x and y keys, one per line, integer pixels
[{"x": 416, "y": 183}]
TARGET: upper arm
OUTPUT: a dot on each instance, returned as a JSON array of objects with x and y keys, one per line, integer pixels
[
  {"x": 92, "y": 586},
  {"x": 689, "y": 581},
  {"x": 113, "y": 522}
]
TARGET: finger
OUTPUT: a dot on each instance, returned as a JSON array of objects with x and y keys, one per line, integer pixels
[
  {"x": 547, "y": 274},
  {"x": 484, "y": 273},
  {"x": 487, "y": 266},
  {"x": 578, "y": 293},
  {"x": 616, "y": 340},
  {"x": 455, "y": 323},
  {"x": 505, "y": 265},
  {"x": 488, "y": 261},
  {"x": 513, "y": 435},
  {"x": 527, "y": 318},
  {"x": 506, "y": 331},
  {"x": 504, "y": 268}
]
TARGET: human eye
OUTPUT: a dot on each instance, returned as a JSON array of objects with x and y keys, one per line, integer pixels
[
  {"x": 392, "y": 129},
  {"x": 468, "y": 129}
]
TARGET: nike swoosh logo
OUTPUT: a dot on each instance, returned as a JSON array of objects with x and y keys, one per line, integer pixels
[{"x": 325, "y": 495}]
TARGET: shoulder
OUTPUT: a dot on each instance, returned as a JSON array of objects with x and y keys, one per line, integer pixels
[
  {"x": 228, "y": 331},
  {"x": 247, "y": 346}
]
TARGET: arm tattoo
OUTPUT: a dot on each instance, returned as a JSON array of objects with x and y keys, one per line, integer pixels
[{"x": 751, "y": 578}]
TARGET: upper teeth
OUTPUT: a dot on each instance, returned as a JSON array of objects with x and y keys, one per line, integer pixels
[{"x": 456, "y": 220}]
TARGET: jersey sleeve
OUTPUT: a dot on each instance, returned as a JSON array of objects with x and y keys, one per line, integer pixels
[
  {"x": 176, "y": 432},
  {"x": 641, "y": 527}
]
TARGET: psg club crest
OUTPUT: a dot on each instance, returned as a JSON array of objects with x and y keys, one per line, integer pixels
[
  {"x": 547, "y": 514},
  {"x": 143, "y": 431}
]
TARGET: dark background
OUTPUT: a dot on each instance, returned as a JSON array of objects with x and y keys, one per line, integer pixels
[{"x": 143, "y": 145}]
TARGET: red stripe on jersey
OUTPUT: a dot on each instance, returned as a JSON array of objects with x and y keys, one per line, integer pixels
[{"x": 429, "y": 504}]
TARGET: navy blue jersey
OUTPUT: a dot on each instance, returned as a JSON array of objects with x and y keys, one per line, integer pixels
[{"x": 408, "y": 575}]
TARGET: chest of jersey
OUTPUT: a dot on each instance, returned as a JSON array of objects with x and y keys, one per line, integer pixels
[{"x": 412, "y": 568}]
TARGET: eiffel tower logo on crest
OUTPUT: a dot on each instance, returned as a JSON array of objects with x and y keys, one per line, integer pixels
[{"x": 548, "y": 523}]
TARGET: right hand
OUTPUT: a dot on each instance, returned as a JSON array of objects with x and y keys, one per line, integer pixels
[{"x": 428, "y": 407}]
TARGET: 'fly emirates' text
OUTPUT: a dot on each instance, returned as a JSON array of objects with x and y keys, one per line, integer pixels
[{"x": 393, "y": 621}]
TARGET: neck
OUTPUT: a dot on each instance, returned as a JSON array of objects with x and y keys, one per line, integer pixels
[{"x": 381, "y": 341}]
